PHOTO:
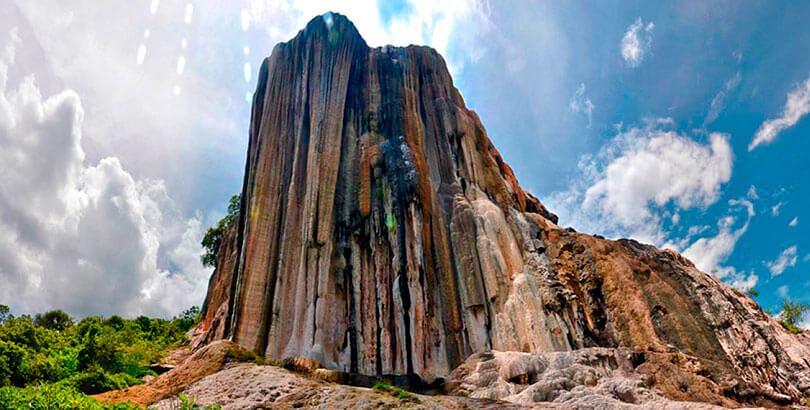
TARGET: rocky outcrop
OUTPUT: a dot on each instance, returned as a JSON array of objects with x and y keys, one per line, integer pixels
[
  {"x": 381, "y": 233},
  {"x": 249, "y": 386},
  {"x": 595, "y": 377}
]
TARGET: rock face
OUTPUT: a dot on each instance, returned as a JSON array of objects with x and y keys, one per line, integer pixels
[{"x": 381, "y": 233}]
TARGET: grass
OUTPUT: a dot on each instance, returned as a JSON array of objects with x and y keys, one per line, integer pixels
[{"x": 396, "y": 392}]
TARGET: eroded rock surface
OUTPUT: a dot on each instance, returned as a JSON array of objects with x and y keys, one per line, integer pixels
[
  {"x": 381, "y": 233},
  {"x": 593, "y": 377},
  {"x": 250, "y": 386}
]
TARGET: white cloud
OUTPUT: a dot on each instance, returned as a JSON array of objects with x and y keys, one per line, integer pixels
[
  {"x": 785, "y": 260},
  {"x": 437, "y": 24},
  {"x": 90, "y": 239},
  {"x": 796, "y": 107},
  {"x": 660, "y": 167},
  {"x": 636, "y": 42},
  {"x": 176, "y": 142},
  {"x": 719, "y": 100},
  {"x": 621, "y": 190},
  {"x": 709, "y": 253},
  {"x": 655, "y": 167},
  {"x": 775, "y": 209},
  {"x": 794, "y": 221},
  {"x": 752, "y": 192},
  {"x": 782, "y": 291},
  {"x": 582, "y": 104}
]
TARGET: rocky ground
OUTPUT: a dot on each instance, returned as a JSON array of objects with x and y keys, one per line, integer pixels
[{"x": 224, "y": 374}]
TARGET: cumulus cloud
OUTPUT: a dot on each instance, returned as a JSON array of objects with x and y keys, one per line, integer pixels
[
  {"x": 785, "y": 260},
  {"x": 658, "y": 167},
  {"x": 796, "y": 107},
  {"x": 719, "y": 101},
  {"x": 636, "y": 42},
  {"x": 623, "y": 187},
  {"x": 87, "y": 238},
  {"x": 581, "y": 103}
]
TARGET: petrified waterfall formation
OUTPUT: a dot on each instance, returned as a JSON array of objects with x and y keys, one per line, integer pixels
[{"x": 381, "y": 233}]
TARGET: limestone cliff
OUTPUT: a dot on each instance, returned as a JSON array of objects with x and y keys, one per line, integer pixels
[{"x": 381, "y": 233}]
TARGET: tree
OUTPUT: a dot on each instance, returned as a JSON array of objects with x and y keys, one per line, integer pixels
[
  {"x": 191, "y": 313},
  {"x": 188, "y": 318},
  {"x": 5, "y": 314},
  {"x": 213, "y": 238},
  {"x": 54, "y": 320},
  {"x": 791, "y": 315}
]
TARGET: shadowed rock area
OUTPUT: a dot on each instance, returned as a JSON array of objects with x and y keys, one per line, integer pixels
[{"x": 381, "y": 234}]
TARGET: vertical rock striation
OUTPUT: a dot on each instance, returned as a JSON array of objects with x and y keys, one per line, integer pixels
[{"x": 381, "y": 233}]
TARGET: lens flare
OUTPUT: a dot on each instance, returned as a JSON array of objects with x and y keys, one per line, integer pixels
[
  {"x": 141, "y": 54},
  {"x": 189, "y": 13},
  {"x": 245, "y": 20},
  {"x": 181, "y": 64}
]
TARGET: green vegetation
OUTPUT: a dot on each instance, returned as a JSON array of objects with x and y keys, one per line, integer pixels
[
  {"x": 791, "y": 315},
  {"x": 753, "y": 293},
  {"x": 52, "y": 362},
  {"x": 188, "y": 403},
  {"x": 213, "y": 238},
  {"x": 52, "y": 396},
  {"x": 396, "y": 392},
  {"x": 54, "y": 320}
]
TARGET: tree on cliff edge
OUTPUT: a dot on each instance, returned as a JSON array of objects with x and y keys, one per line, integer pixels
[{"x": 213, "y": 237}]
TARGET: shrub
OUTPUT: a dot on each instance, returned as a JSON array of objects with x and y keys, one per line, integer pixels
[
  {"x": 11, "y": 363},
  {"x": 53, "y": 396},
  {"x": 791, "y": 316},
  {"x": 396, "y": 392},
  {"x": 188, "y": 318},
  {"x": 95, "y": 380}
]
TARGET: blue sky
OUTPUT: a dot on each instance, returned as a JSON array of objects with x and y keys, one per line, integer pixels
[{"x": 628, "y": 119}]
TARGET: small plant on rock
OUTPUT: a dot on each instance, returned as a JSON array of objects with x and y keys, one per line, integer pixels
[
  {"x": 396, "y": 392},
  {"x": 791, "y": 315}
]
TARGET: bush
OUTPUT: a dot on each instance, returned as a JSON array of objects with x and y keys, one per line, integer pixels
[
  {"x": 95, "y": 355},
  {"x": 396, "y": 392},
  {"x": 791, "y": 315},
  {"x": 188, "y": 318},
  {"x": 53, "y": 396},
  {"x": 95, "y": 380},
  {"x": 47, "y": 362},
  {"x": 11, "y": 364}
]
